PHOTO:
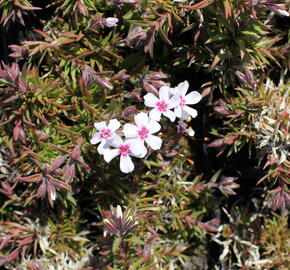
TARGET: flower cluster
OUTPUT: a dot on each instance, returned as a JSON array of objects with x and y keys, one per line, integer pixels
[{"x": 171, "y": 102}]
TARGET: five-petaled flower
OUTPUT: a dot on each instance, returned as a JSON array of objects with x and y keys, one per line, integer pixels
[
  {"x": 161, "y": 105},
  {"x": 182, "y": 110},
  {"x": 124, "y": 150},
  {"x": 105, "y": 134},
  {"x": 143, "y": 131}
]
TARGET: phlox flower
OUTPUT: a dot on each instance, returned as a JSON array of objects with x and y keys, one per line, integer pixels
[
  {"x": 182, "y": 128},
  {"x": 105, "y": 134},
  {"x": 142, "y": 132},
  {"x": 182, "y": 110},
  {"x": 124, "y": 150},
  {"x": 161, "y": 105}
]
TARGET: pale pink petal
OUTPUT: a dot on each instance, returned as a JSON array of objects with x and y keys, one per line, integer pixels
[
  {"x": 173, "y": 102},
  {"x": 173, "y": 91},
  {"x": 184, "y": 115},
  {"x": 192, "y": 98},
  {"x": 130, "y": 131},
  {"x": 116, "y": 141},
  {"x": 100, "y": 125},
  {"x": 103, "y": 146},
  {"x": 155, "y": 114},
  {"x": 126, "y": 164},
  {"x": 153, "y": 126},
  {"x": 164, "y": 93},
  {"x": 141, "y": 119},
  {"x": 138, "y": 148},
  {"x": 190, "y": 132},
  {"x": 111, "y": 22},
  {"x": 170, "y": 115},
  {"x": 190, "y": 111},
  {"x": 182, "y": 88},
  {"x": 114, "y": 124},
  {"x": 154, "y": 142},
  {"x": 177, "y": 111},
  {"x": 110, "y": 154},
  {"x": 95, "y": 139},
  {"x": 150, "y": 100}
]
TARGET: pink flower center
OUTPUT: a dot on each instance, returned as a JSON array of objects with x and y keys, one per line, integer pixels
[
  {"x": 143, "y": 133},
  {"x": 124, "y": 150},
  {"x": 105, "y": 133},
  {"x": 162, "y": 106},
  {"x": 182, "y": 101}
]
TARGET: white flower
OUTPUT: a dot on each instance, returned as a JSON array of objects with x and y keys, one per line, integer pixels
[
  {"x": 182, "y": 110},
  {"x": 111, "y": 22},
  {"x": 182, "y": 128},
  {"x": 161, "y": 105},
  {"x": 105, "y": 134},
  {"x": 143, "y": 131},
  {"x": 124, "y": 150}
]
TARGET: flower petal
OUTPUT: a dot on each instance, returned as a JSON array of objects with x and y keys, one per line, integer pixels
[
  {"x": 141, "y": 119},
  {"x": 110, "y": 154},
  {"x": 100, "y": 125},
  {"x": 153, "y": 126},
  {"x": 192, "y": 98},
  {"x": 154, "y": 142},
  {"x": 114, "y": 124},
  {"x": 126, "y": 164},
  {"x": 155, "y": 114},
  {"x": 164, "y": 93},
  {"x": 182, "y": 88},
  {"x": 138, "y": 148},
  {"x": 103, "y": 146},
  {"x": 116, "y": 141},
  {"x": 190, "y": 131},
  {"x": 173, "y": 102},
  {"x": 190, "y": 111},
  {"x": 177, "y": 111},
  {"x": 95, "y": 139},
  {"x": 150, "y": 100},
  {"x": 130, "y": 131},
  {"x": 170, "y": 115},
  {"x": 185, "y": 115},
  {"x": 173, "y": 91}
]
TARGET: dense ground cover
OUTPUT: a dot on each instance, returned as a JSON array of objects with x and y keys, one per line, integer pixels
[{"x": 144, "y": 134}]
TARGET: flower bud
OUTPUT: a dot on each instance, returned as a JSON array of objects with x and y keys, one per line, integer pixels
[
  {"x": 221, "y": 108},
  {"x": 121, "y": 75},
  {"x": 75, "y": 154},
  {"x": 156, "y": 76},
  {"x": 157, "y": 84},
  {"x": 149, "y": 88},
  {"x": 216, "y": 143},
  {"x": 51, "y": 192},
  {"x": 129, "y": 112},
  {"x": 111, "y": 22},
  {"x": 135, "y": 94},
  {"x": 19, "y": 133},
  {"x": 88, "y": 76},
  {"x": 42, "y": 189}
]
